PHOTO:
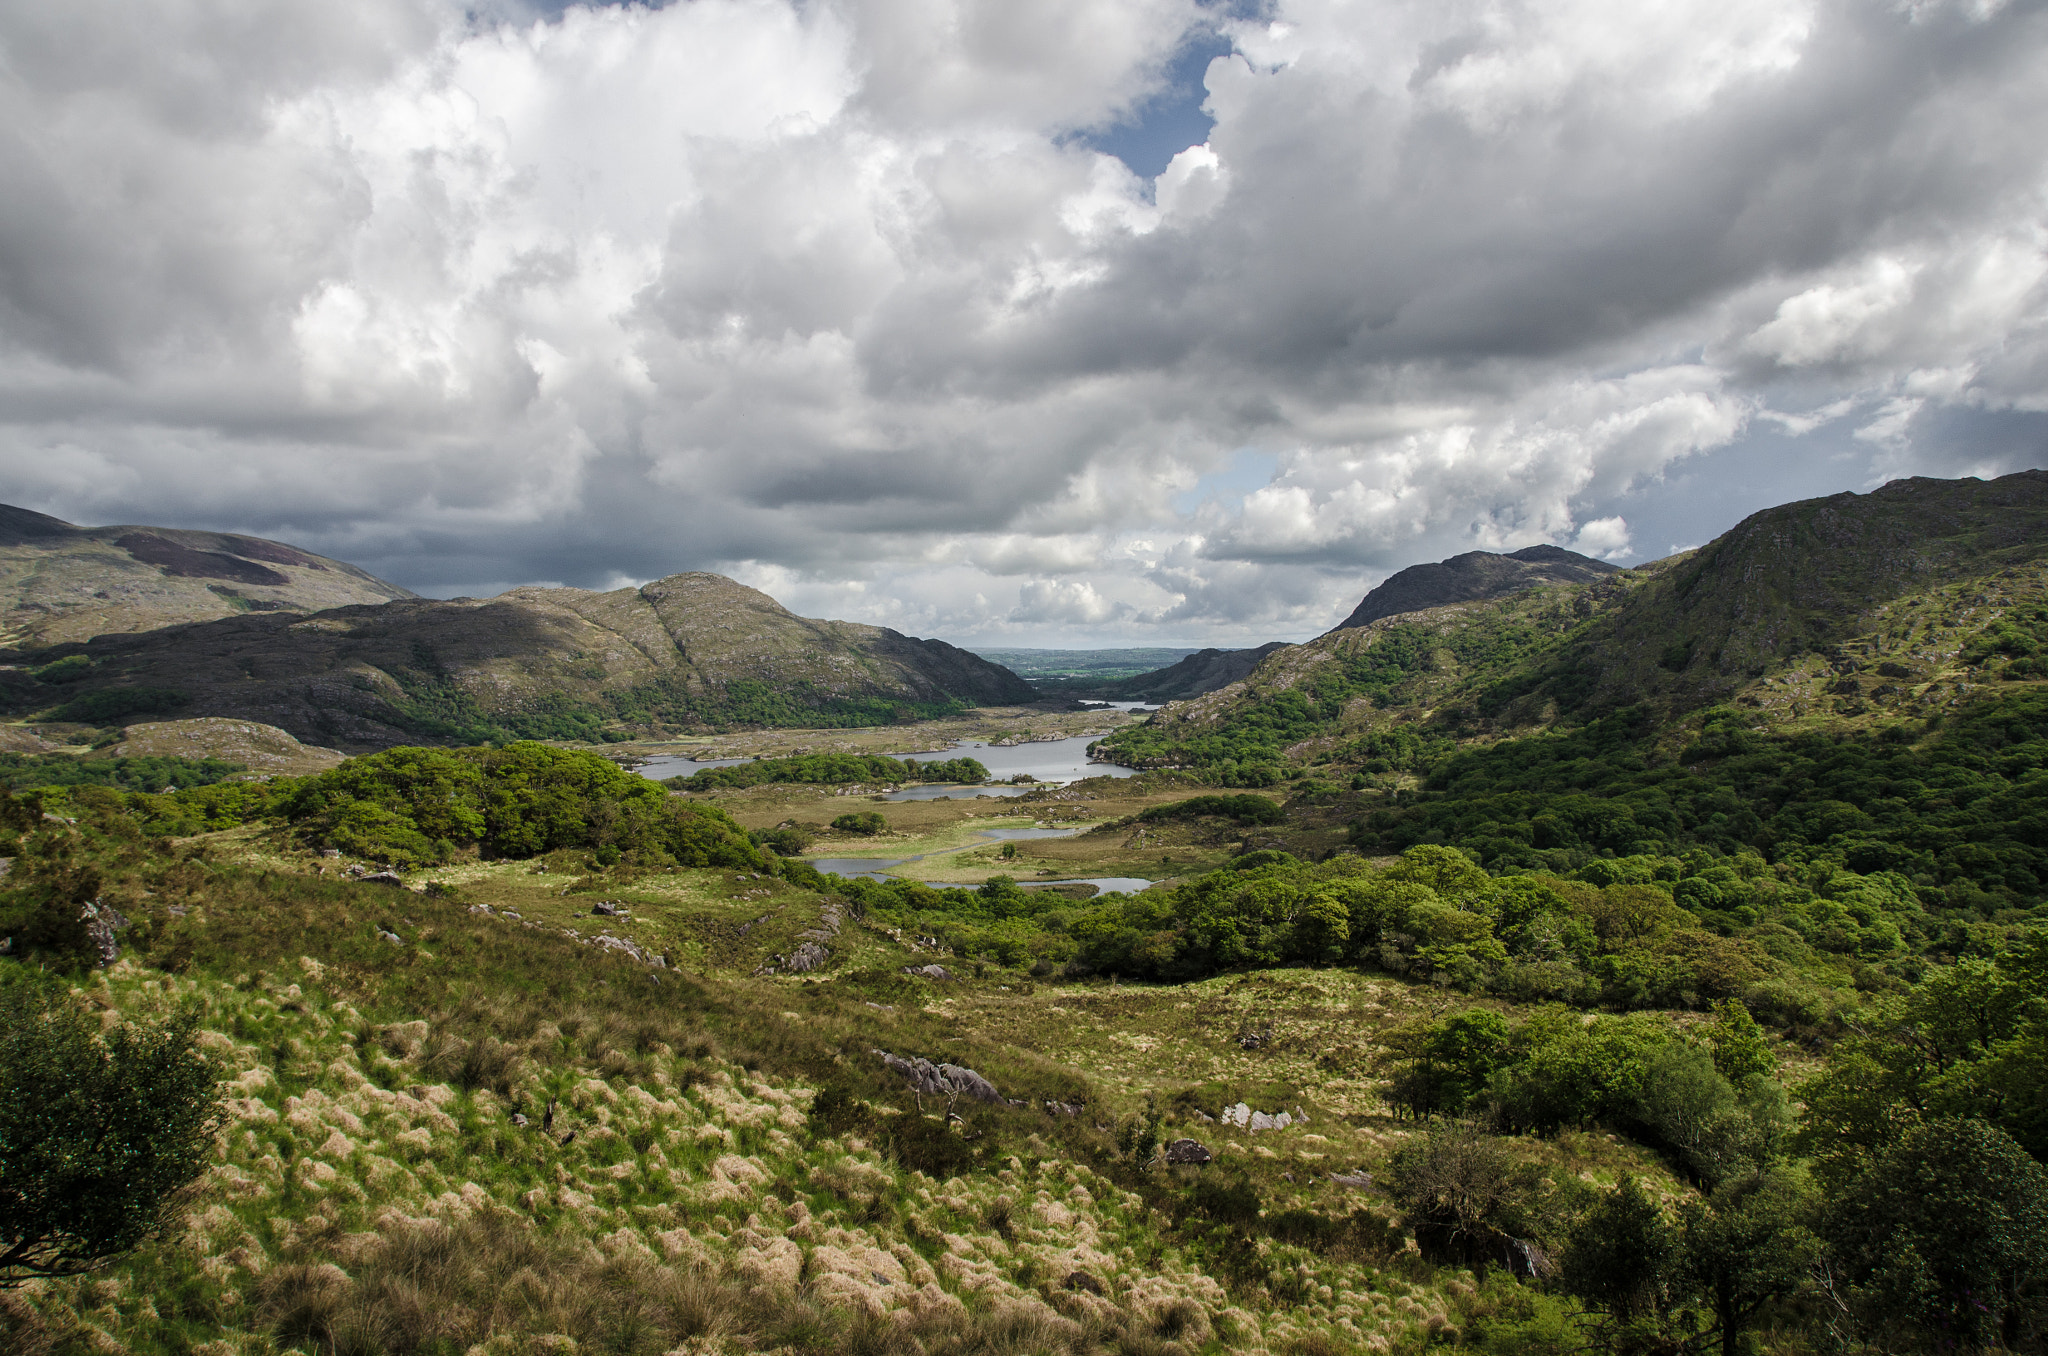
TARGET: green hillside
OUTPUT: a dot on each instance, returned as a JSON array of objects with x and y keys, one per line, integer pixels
[
  {"x": 687, "y": 653},
  {"x": 1491, "y": 1004}
]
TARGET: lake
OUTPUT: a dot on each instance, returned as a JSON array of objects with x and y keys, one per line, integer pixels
[{"x": 1052, "y": 760}]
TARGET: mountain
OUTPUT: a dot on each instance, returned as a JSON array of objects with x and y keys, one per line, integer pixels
[
  {"x": 1847, "y": 608},
  {"x": 60, "y": 582},
  {"x": 1472, "y": 577},
  {"x": 688, "y": 651},
  {"x": 1203, "y": 671}
]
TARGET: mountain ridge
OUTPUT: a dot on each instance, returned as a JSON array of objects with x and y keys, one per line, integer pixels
[
  {"x": 688, "y": 651},
  {"x": 60, "y": 582},
  {"x": 1840, "y": 607}
]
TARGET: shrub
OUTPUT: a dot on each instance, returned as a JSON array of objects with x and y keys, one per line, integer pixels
[
  {"x": 97, "y": 1132},
  {"x": 861, "y": 821}
]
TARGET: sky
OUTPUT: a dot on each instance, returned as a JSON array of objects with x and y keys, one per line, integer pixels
[{"x": 1082, "y": 322}]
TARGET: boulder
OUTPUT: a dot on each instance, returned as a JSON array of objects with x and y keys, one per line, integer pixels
[
  {"x": 938, "y": 972},
  {"x": 1188, "y": 1151},
  {"x": 806, "y": 958},
  {"x": 384, "y": 878},
  {"x": 942, "y": 1080}
]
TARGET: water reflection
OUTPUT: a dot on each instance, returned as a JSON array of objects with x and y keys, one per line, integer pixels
[{"x": 1050, "y": 760}]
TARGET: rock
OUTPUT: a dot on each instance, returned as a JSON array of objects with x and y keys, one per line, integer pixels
[
  {"x": 806, "y": 958},
  {"x": 390, "y": 937},
  {"x": 519, "y": 1120},
  {"x": 938, "y": 972},
  {"x": 102, "y": 921},
  {"x": 1300, "y": 1117},
  {"x": 1260, "y": 1121},
  {"x": 1237, "y": 1115},
  {"x": 942, "y": 1080},
  {"x": 1352, "y": 1179},
  {"x": 1188, "y": 1151},
  {"x": 384, "y": 878},
  {"x": 1205, "y": 1118},
  {"x": 605, "y": 909},
  {"x": 331, "y": 854},
  {"x": 620, "y": 946},
  {"x": 1081, "y": 1280}
]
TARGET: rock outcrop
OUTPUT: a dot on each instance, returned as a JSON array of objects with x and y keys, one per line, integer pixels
[{"x": 1474, "y": 577}]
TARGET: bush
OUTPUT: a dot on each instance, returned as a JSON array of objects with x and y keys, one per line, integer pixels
[
  {"x": 861, "y": 821},
  {"x": 413, "y": 805},
  {"x": 97, "y": 1132}
]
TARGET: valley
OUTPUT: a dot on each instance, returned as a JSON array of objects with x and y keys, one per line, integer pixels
[{"x": 1643, "y": 929}]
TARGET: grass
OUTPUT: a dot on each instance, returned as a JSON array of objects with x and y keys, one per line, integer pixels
[{"x": 373, "y": 1191}]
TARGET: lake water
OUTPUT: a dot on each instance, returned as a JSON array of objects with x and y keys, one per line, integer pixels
[{"x": 1053, "y": 760}]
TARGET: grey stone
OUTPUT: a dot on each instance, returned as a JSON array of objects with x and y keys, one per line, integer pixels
[
  {"x": 390, "y": 937},
  {"x": 938, "y": 972},
  {"x": 941, "y": 1080},
  {"x": 1188, "y": 1151},
  {"x": 1352, "y": 1179},
  {"x": 1261, "y": 1121},
  {"x": 806, "y": 958},
  {"x": 384, "y": 878}
]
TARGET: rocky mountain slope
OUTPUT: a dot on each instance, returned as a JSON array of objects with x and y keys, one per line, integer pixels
[
  {"x": 59, "y": 582},
  {"x": 1844, "y": 607},
  {"x": 1473, "y": 577},
  {"x": 688, "y": 651}
]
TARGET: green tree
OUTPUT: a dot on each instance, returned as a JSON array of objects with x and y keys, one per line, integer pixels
[
  {"x": 1621, "y": 1260},
  {"x": 1746, "y": 1247},
  {"x": 1945, "y": 1235},
  {"x": 1740, "y": 1049},
  {"x": 98, "y": 1132}
]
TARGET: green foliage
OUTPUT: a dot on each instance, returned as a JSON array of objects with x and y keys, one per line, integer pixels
[
  {"x": 1654, "y": 1283},
  {"x": 110, "y": 705},
  {"x": 98, "y": 1132},
  {"x": 415, "y": 805},
  {"x": 832, "y": 768},
  {"x": 1387, "y": 672},
  {"x": 1970, "y": 1041},
  {"x": 70, "y": 669},
  {"x": 20, "y": 771},
  {"x": 861, "y": 821},
  {"x": 1245, "y": 809},
  {"x": 1946, "y": 1236},
  {"x": 1961, "y": 818}
]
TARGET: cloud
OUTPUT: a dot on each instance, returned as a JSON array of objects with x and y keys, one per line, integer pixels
[{"x": 837, "y": 297}]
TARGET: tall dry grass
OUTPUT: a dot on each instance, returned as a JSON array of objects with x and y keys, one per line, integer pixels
[{"x": 498, "y": 1280}]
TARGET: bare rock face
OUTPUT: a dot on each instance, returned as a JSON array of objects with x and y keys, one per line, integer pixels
[{"x": 1473, "y": 577}]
